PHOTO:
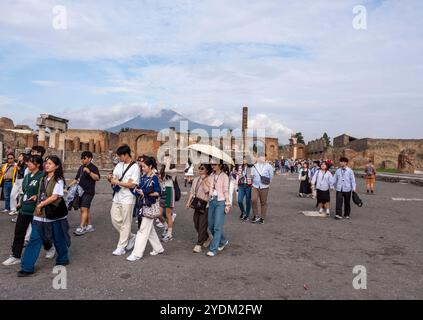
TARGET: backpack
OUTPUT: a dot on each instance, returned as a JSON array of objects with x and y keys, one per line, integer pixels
[
  {"x": 370, "y": 170},
  {"x": 177, "y": 190}
]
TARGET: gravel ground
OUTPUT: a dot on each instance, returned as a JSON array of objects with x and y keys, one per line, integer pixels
[{"x": 291, "y": 256}]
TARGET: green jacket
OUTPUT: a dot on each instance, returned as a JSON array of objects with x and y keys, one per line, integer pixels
[{"x": 30, "y": 186}]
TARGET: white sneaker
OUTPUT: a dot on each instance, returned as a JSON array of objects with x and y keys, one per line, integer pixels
[
  {"x": 338, "y": 217},
  {"x": 5, "y": 211},
  {"x": 11, "y": 261},
  {"x": 173, "y": 217},
  {"x": 160, "y": 225},
  {"x": 51, "y": 253},
  {"x": 197, "y": 249},
  {"x": 167, "y": 238},
  {"x": 80, "y": 231},
  {"x": 223, "y": 247},
  {"x": 164, "y": 233},
  {"x": 155, "y": 253},
  {"x": 89, "y": 228},
  {"x": 119, "y": 252},
  {"x": 13, "y": 213},
  {"x": 210, "y": 254},
  {"x": 131, "y": 243},
  {"x": 133, "y": 258}
]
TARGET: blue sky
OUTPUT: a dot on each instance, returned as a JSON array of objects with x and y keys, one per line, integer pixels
[{"x": 298, "y": 65}]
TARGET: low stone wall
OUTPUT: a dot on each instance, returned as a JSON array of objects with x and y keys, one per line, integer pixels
[
  {"x": 394, "y": 179},
  {"x": 102, "y": 160}
]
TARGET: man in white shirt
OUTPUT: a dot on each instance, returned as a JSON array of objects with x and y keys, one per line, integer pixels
[
  {"x": 126, "y": 175},
  {"x": 260, "y": 192}
]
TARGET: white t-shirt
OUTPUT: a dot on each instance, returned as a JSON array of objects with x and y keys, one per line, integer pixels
[{"x": 125, "y": 196}]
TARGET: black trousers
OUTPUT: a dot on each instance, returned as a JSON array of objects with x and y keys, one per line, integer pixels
[
  {"x": 343, "y": 198},
  {"x": 22, "y": 224},
  {"x": 201, "y": 224}
]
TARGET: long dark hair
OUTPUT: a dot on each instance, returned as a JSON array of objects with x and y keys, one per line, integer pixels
[
  {"x": 58, "y": 173},
  {"x": 38, "y": 161},
  {"x": 150, "y": 162}
]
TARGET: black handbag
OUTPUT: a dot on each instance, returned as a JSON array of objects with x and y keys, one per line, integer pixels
[
  {"x": 356, "y": 199},
  {"x": 198, "y": 204},
  {"x": 58, "y": 211}
]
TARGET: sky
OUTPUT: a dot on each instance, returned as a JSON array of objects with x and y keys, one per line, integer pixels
[{"x": 299, "y": 65}]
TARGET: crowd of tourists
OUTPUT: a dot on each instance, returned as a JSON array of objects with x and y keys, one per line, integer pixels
[
  {"x": 35, "y": 191},
  {"x": 317, "y": 180}
]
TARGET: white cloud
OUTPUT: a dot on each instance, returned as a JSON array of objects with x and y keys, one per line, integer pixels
[
  {"x": 44, "y": 83},
  {"x": 299, "y": 62}
]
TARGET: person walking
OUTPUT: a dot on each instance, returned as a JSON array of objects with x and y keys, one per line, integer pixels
[
  {"x": 87, "y": 176},
  {"x": 149, "y": 190},
  {"x": 344, "y": 182},
  {"x": 168, "y": 174},
  {"x": 305, "y": 178},
  {"x": 50, "y": 221},
  {"x": 7, "y": 179},
  {"x": 126, "y": 176},
  {"x": 189, "y": 173},
  {"x": 26, "y": 207},
  {"x": 17, "y": 186},
  {"x": 370, "y": 172},
  {"x": 198, "y": 200},
  {"x": 323, "y": 182},
  {"x": 262, "y": 174},
  {"x": 244, "y": 182},
  {"x": 219, "y": 206}
]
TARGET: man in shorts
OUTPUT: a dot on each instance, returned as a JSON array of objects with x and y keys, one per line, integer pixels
[{"x": 87, "y": 176}]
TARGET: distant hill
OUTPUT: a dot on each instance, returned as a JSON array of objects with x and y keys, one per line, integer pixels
[{"x": 166, "y": 119}]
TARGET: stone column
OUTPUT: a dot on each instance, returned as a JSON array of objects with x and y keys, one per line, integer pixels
[
  {"x": 76, "y": 144},
  {"x": 42, "y": 136},
  {"x": 91, "y": 145},
  {"x": 52, "y": 140},
  {"x": 69, "y": 145},
  {"x": 62, "y": 141},
  {"x": 97, "y": 147}
]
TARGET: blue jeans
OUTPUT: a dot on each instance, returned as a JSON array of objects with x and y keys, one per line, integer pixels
[
  {"x": 216, "y": 221},
  {"x": 244, "y": 192},
  {"x": 33, "y": 248},
  {"x": 7, "y": 190}
]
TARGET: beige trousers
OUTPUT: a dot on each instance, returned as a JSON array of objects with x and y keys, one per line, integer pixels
[
  {"x": 121, "y": 215},
  {"x": 256, "y": 195},
  {"x": 144, "y": 234}
]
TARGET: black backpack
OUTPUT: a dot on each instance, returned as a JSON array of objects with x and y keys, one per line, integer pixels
[
  {"x": 356, "y": 199},
  {"x": 177, "y": 190}
]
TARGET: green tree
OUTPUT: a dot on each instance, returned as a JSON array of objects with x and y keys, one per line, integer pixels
[
  {"x": 327, "y": 139},
  {"x": 300, "y": 138}
]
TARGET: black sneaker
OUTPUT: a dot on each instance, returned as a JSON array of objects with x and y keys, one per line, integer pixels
[
  {"x": 245, "y": 218},
  {"x": 260, "y": 221},
  {"x": 241, "y": 216},
  {"x": 372, "y": 192},
  {"x": 255, "y": 219},
  {"x": 22, "y": 274}
]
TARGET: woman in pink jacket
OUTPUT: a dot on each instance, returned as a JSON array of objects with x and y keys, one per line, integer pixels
[{"x": 219, "y": 206}]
